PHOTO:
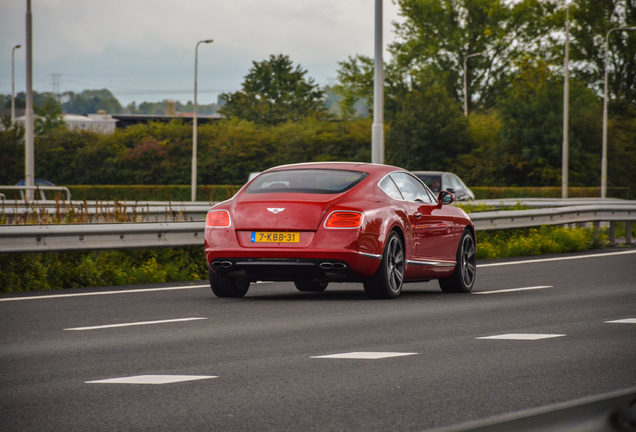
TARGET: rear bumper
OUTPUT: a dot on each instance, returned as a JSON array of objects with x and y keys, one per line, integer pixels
[
  {"x": 283, "y": 269},
  {"x": 328, "y": 266}
]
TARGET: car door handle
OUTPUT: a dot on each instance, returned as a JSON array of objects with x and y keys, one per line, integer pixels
[{"x": 418, "y": 215}]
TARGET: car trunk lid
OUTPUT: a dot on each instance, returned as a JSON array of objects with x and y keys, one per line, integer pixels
[{"x": 297, "y": 211}]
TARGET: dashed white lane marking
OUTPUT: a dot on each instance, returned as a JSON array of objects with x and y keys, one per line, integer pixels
[
  {"x": 140, "y": 323},
  {"x": 152, "y": 379},
  {"x": 365, "y": 355},
  {"x": 522, "y": 336},
  {"x": 540, "y": 260},
  {"x": 514, "y": 290},
  {"x": 623, "y": 321},
  {"x": 130, "y": 291}
]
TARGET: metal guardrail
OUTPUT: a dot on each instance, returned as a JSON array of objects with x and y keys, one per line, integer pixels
[
  {"x": 40, "y": 189},
  {"x": 612, "y": 412},
  {"x": 547, "y": 202},
  {"x": 167, "y": 211},
  {"x": 553, "y": 216},
  {"x": 49, "y": 238},
  {"x": 44, "y": 238},
  {"x": 149, "y": 211}
]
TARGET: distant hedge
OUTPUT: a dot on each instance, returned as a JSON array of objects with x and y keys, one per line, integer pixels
[
  {"x": 172, "y": 193},
  {"x": 547, "y": 192},
  {"x": 212, "y": 193}
]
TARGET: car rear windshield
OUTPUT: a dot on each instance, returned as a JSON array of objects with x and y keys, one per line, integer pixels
[{"x": 316, "y": 181}]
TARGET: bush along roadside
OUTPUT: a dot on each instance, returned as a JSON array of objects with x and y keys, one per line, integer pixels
[
  {"x": 57, "y": 270},
  {"x": 538, "y": 241},
  {"x": 50, "y": 271}
]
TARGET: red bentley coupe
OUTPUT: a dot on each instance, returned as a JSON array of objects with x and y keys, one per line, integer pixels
[{"x": 316, "y": 223}]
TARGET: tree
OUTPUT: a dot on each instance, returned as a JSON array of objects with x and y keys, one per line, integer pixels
[
  {"x": 91, "y": 102},
  {"x": 428, "y": 131},
  {"x": 591, "y": 20},
  {"x": 437, "y": 35},
  {"x": 532, "y": 133},
  {"x": 274, "y": 92},
  {"x": 49, "y": 117},
  {"x": 355, "y": 86}
]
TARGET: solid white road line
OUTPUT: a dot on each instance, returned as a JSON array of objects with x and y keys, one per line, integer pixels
[
  {"x": 135, "y": 324},
  {"x": 131, "y": 291},
  {"x": 541, "y": 260},
  {"x": 514, "y": 289}
]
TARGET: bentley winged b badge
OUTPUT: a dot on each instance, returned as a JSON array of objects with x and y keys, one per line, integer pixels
[{"x": 275, "y": 210}]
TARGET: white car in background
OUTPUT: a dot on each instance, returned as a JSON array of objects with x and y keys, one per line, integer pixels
[{"x": 441, "y": 180}]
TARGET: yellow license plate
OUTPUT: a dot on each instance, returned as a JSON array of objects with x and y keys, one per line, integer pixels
[{"x": 275, "y": 237}]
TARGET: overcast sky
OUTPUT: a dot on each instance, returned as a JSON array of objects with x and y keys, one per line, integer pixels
[{"x": 143, "y": 50}]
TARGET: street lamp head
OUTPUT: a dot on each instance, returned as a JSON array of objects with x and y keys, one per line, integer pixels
[
  {"x": 17, "y": 46},
  {"x": 208, "y": 41}
]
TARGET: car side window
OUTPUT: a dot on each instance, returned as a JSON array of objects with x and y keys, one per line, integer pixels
[
  {"x": 454, "y": 183},
  {"x": 411, "y": 188},
  {"x": 388, "y": 187}
]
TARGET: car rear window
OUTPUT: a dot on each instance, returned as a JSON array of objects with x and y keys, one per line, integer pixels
[{"x": 316, "y": 181}]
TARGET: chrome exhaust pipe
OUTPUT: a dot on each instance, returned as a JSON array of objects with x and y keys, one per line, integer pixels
[
  {"x": 332, "y": 266},
  {"x": 222, "y": 264}
]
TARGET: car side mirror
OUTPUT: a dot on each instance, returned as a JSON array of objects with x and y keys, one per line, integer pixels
[{"x": 445, "y": 197}]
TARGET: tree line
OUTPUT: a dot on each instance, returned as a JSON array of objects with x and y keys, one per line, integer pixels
[
  {"x": 93, "y": 101},
  {"x": 513, "y": 53}
]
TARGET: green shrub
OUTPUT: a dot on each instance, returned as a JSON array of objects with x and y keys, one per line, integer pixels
[
  {"x": 132, "y": 193},
  {"x": 537, "y": 241},
  {"x": 49, "y": 271}
]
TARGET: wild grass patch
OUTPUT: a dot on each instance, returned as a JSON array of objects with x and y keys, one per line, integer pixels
[{"x": 538, "y": 241}]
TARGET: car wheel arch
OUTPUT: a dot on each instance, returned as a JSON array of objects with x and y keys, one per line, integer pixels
[{"x": 397, "y": 228}]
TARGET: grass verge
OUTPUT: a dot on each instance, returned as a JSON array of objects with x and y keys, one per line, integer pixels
[{"x": 57, "y": 270}]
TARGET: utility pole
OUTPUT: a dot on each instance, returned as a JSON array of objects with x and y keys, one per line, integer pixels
[
  {"x": 566, "y": 108},
  {"x": 193, "y": 188},
  {"x": 466, "y": 81},
  {"x": 377, "y": 129},
  {"x": 13, "y": 82},
  {"x": 29, "y": 153}
]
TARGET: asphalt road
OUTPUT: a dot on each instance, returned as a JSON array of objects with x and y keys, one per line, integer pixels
[{"x": 257, "y": 363}]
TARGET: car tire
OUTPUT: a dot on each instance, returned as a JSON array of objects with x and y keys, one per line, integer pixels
[
  {"x": 225, "y": 286},
  {"x": 310, "y": 286},
  {"x": 463, "y": 278},
  {"x": 387, "y": 282}
]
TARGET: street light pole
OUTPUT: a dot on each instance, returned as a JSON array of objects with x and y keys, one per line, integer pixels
[
  {"x": 466, "y": 82},
  {"x": 193, "y": 193},
  {"x": 377, "y": 129},
  {"x": 13, "y": 82},
  {"x": 604, "y": 152},
  {"x": 29, "y": 133},
  {"x": 566, "y": 108}
]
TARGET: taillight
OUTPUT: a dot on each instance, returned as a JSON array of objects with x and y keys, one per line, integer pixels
[
  {"x": 344, "y": 219},
  {"x": 218, "y": 219}
]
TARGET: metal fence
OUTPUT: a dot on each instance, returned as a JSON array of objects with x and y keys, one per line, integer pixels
[{"x": 44, "y": 238}]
